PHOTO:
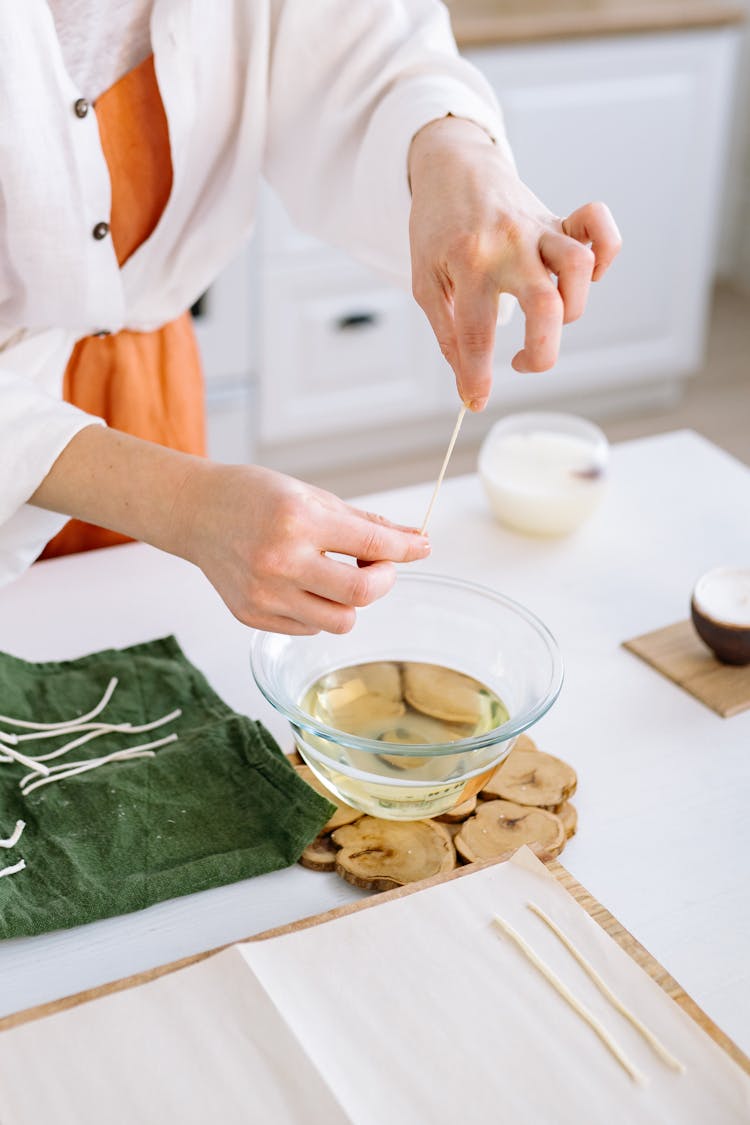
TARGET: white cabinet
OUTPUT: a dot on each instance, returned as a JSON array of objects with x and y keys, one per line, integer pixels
[
  {"x": 225, "y": 321},
  {"x": 340, "y": 349},
  {"x": 639, "y": 121}
]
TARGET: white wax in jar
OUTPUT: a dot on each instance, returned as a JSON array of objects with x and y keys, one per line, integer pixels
[{"x": 542, "y": 482}]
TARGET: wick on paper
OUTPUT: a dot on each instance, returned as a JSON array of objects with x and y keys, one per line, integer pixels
[
  {"x": 656, "y": 1045},
  {"x": 579, "y": 1008}
]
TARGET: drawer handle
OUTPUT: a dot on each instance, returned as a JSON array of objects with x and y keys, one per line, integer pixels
[{"x": 355, "y": 321}]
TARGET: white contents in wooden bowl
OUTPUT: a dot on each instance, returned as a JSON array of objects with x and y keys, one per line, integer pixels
[
  {"x": 543, "y": 473},
  {"x": 720, "y": 609}
]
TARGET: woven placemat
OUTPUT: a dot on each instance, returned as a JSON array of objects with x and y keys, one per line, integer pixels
[{"x": 679, "y": 654}]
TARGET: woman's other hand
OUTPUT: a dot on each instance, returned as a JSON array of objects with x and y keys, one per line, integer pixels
[
  {"x": 476, "y": 232},
  {"x": 263, "y": 540}
]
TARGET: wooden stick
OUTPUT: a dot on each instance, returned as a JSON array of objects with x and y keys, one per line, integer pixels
[
  {"x": 574, "y": 1002},
  {"x": 604, "y": 988},
  {"x": 446, "y": 459}
]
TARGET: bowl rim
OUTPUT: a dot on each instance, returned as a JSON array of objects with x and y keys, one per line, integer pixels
[{"x": 514, "y": 726}]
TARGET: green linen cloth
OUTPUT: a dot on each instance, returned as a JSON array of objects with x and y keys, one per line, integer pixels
[{"x": 218, "y": 805}]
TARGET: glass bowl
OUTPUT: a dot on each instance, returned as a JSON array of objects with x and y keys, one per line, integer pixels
[
  {"x": 543, "y": 473},
  {"x": 433, "y": 620}
]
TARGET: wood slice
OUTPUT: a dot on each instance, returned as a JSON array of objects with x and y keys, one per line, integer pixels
[
  {"x": 531, "y": 777},
  {"x": 523, "y": 742},
  {"x": 344, "y": 814},
  {"x": 569, "y": 816},
  {"x": 442, "y": 693},
  {"x": 381, "y": 854},
  {"x": 458, "y": 812},
  {"x": 294, "y": 757},
  {"x": 320, "y": 855},
  {"x": 359, "y": 700},
  {"x": 501, "y": 826}
]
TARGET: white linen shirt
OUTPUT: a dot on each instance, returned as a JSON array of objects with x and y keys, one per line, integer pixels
[{"x": 321, "y": 96}]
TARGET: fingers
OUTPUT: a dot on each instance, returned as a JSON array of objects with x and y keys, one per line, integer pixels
[
  {"x": 475, "y": 306},
  {"x": 276, "y": 623},
  {"x": 543, "y": 309},
  {"x": 383, "y": 521},
  {"x": 328, "y": 601},
  {"x": 349, "y": 585},
  {"x": 574, "y": 264},
  {"x": 319, "y": 614},
  {"x": 594, "y": 223},
  {"x": 437, "y": 304},
  {"x": 371, "y": 539},
  {"x": 464, "y": 326}
]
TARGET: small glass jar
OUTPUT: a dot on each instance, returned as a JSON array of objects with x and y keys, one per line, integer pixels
[{"x": 544, "y": 473}]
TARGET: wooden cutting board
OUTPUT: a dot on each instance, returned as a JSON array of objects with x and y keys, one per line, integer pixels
[{"x": 593, "y": 908}]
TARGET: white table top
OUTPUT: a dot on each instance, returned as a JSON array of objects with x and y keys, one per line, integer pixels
[{"x": 664, "y": 832}]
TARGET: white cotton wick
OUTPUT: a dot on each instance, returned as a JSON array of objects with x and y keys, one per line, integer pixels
[
  {"x": 578, "y": 1007},
  {"x": 115, "y": 755},
  {"x": 69, "y": 769},
  {"x": 76, "y": 722},
  {"x": 30, "y": 764},
  {"x": 14, "y": 869},
  {"x": 15, "y": 836},
  {"x": 99, "y": 729},
  {"x": 84, "y": 767},
  {"x": 656, "y": 1045}
]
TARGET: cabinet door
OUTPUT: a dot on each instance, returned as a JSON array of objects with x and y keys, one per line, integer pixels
[
  {"x": 340, "y": 351},
  {"x": 639, "y": 122}
]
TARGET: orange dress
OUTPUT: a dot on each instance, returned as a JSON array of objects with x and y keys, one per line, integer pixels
[{"x": 148, "y": 384}]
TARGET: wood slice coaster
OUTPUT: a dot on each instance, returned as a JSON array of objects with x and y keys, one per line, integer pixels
[
  {"x": 679, "y": 654},
  {"x": 524, "y": 801}
]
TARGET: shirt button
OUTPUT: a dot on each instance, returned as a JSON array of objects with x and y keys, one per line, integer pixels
[
  {"x": 100, "y": 231},
  {"x": 81, "y": 107}
]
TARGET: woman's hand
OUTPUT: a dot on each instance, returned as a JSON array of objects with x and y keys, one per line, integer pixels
[
  {"x": 476, "y": 232},
  {"x": 262, "y": 539}
]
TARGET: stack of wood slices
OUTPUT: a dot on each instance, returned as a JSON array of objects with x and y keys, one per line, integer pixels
[{"x": 525, "y": 801}]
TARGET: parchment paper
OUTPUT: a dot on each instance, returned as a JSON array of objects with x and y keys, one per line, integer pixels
[
  {"x": 198, "y": 1047},
  {"x": 420, "y": 1010},
  {"x": 414, "y": 1010}
]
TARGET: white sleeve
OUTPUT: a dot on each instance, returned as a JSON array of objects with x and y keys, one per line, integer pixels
[
  {"x": 35, "y": 426},
  {"x": 350, "y": 85}
]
